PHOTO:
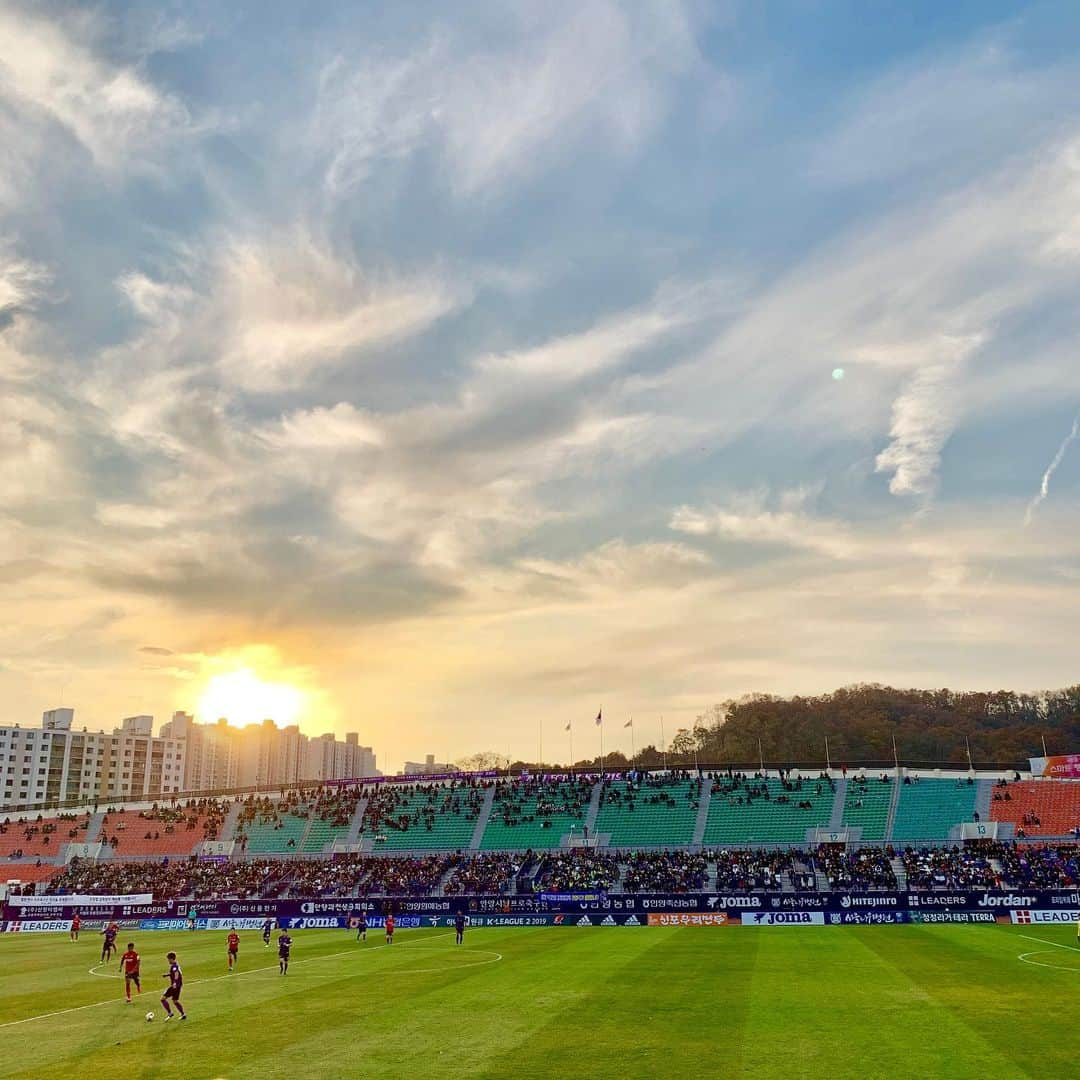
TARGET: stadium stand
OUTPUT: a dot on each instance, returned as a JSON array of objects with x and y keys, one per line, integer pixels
[
  {"x": 423, "y": 817},
  {"x": 664, "y": 871},
  {"x": 928, "y": 809},
  {"x": 158, "y": 831},
  {"x": 1038, "y": 807},
  {"x": 536, "y": 813},
  {"x": 857, "y": 871},
  {"x": 950, "y": 868},
  {"x": 651, "y": 812},
  {"x": 744, "y": 870},
  {"x": 40, "y": 838},
  {"x": 760, "y": 810},
  {"x": 579, "y": 869},
  {"x": 1041, "y": 867},
  {"x": 866, "y": 806}
]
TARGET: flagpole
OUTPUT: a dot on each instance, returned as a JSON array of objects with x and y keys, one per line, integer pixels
[
  {"x": 541, "y": 761},
  {"x": 828, "y": 762},
  {"x": 663, "y": 743},
  {"x": 760, "y": 754},
  {"x": 895, "y": 756},
  {"x": 967, "y": 743},
  {"x": 601, "y": 726},
  {"x": 571, "y": 730},
  {"x": 633, "y": 744}
]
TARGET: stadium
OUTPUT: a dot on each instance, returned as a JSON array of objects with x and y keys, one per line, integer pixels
[{"x": 886, "y": 922}]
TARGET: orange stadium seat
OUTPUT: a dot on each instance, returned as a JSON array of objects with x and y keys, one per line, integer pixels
[
  {"x": 1055, "y": 803},
  {"x": 166, "y": 837}
]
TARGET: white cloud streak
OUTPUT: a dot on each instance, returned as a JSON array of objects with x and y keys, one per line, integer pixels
[{"x": 1044, "y": 486}]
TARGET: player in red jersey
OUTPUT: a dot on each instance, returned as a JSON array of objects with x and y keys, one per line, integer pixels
[
  {"x": 234, "y": 948},
  {"x": 389, "y": 929},
  {"x": 129, "y": 965},
  {"x": 76, "y": 925}
]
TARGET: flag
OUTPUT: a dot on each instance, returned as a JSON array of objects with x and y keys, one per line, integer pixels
[
  {"x": 568, "y": 727},
  {"x": 599, "y": 717},
  {"x": 629, "y": 723}
]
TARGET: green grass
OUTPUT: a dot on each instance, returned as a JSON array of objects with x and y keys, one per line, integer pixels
[{"x": 860, "y": 1002}]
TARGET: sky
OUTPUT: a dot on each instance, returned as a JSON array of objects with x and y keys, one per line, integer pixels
[{"x": 460, "y": 370}]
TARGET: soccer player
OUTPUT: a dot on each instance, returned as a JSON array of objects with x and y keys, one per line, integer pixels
[
  {"x": 192, "y": 917},
  {"x": 234, "y": 947},
  {"x": 109, "y": 944},
  {"x": 172, "y": 991},
  {"x": 129, "y": 965},
  {"x": 284, "y": 944},
  {"x": 459, "y": 927},
  {"x": 390, "y": 929},
  {"x": 76, "y": 925},
  {"x": 361, "y": 927},
  {"x": 268, "y": 927}
]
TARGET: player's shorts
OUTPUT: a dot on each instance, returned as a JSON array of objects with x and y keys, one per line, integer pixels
[
  {"x": 234, "y": 949},
  {"x": 283, "y": 955},
  {"x": 133, "y": 977},
  {"x": 173, "y": 992}
]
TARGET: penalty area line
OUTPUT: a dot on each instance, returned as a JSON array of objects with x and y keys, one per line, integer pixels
[{"x": 1056, "y": 944}]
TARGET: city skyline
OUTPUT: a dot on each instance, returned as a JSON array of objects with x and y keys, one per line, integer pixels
[{"x": 447, "y": 376}]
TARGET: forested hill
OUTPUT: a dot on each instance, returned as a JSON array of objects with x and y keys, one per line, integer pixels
[{"x": 861, "y": 721}]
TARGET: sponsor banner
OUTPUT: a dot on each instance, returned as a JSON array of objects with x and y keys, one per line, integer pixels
[
  {"x": 683, "y": 918},
  {"x": 867, "y": 918},
  {"x": 1030, "y": 917},
  {"x": 163, "y": 924},
  {"x": 536, "y": 920},
  {"x": 1063, "y": 766},
  {"x": 783, "y": 918},
  {"x": 43, "y": 926},
  {"x": 572, "y": 897},
  {"x": 953, "y": 917},
  {"x": 412, "y": 778},
  {"x": 82, "y": 900},
  {"x": 234, "y": 924}
]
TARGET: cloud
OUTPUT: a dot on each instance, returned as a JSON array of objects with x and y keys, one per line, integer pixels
[
  {"x": 292, "y": 307},
  {"x": 50, "y": 71},
  {"x": 1044, "y": 486},
  {"x": 156, "y": 650},
  {"x": 749, "y": 519},
  {"x": 22, "y": 282},
  {"x": 501, "y": 114}
]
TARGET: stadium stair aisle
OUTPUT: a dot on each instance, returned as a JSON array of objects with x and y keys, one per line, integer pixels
[
  {"x": 767, "y": 821},
  {"x": 897, "y": 784},
  {"x": 872, "y": 816},
  {"x": 1056, "y": 803},
  {"x": 836, "y": 818},
  {"x": 321, "y": 835},
  {"x": 703, "y": 810},
  {"x": 352, "y": 837},
  {"x": 929, "y": 809},
  {"x": 93, "y": 830},
  {"x": 648, "y": 824},
  {"x": 228, "y": 826},
  {"x": 594, "y": 808},
  {"x": 482, "y": 820}
]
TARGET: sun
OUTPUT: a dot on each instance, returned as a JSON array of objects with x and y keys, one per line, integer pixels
[{"x": 243, "y": 697}]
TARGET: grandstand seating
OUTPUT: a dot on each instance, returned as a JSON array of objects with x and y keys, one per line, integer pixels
[
  {"x": 740, "y": 816},
  {"x": 866, "y": 806},
  {"x": 321, "y": 835},
  {"x": 44, "y": 840},
  {"x": 929, "y": 809},
  {"x": 642, "y": 815},
  {"x": 130, "y": 829},
  {"x": 536, "y": 815},
  {"x": 1055, "y": 805},
  {"x": 26, "y": 872},
  {"x": 282, "y": 835},
  {"x": 422, "y": 819}
]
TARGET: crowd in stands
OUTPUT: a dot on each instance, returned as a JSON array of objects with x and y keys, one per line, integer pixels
[
  {"x": 652, "y": 790},
  {"x": 489, "y": 872},
  {"x": 1050, "y": 867},
  {"x": 950, "y": 868},
  {"x": 578, "y": 869},
  {"x": 394, "y": 807},
  {"x": 744, "y": 870},
  {"x": 552, "y": 795},
  {"x": 740, "y": 789},
  {"x": 665, "y": 871},
  {"x": 857, "y": 871}
]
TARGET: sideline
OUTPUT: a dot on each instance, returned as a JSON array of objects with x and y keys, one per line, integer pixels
[
  {"x": 1056, "y": 944},
  {"x": 238, "y": 974}
]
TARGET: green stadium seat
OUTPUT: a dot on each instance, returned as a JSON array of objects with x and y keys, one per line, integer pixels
[
  {"x": 873, "y": 815},
  {"x": 929, "y": 809},
  {"x": 649, "y": 824},
  {"x": 766, "y": 821}
]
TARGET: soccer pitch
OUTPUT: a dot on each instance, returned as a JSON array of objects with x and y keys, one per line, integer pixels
[{"x": 860, "y": 1002}]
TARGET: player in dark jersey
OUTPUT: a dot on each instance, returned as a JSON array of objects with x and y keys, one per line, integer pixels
[
  {"x": 268, "y": 927},
  {"x": 389, "y": 929},
  {"x": 361, "y": 927},
  {"x": 76, "y": 926},
  {"x": 109, "y": 944},
  {"x": 459, "y": 927},
  {"x": 284, "y": 944},
  {"x": 129, "y": 965},
  {"x": 172, "y": 991},
  {"x": 234, "y": 948}
]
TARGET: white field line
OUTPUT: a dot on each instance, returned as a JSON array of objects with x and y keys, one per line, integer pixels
[
  {"x": 1023, "y": 957},
  {"x": 1056, "y": 944},
  {"x": 217, "y": 978}
]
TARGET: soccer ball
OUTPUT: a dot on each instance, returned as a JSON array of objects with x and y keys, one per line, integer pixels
[{"x": 149, "y": 1017}]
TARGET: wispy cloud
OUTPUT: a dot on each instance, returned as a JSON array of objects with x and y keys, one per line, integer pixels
[{"x": 1044, "y": 486}]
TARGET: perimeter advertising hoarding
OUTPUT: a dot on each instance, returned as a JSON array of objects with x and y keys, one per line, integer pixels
[{"x": 1061, "y": 767}]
